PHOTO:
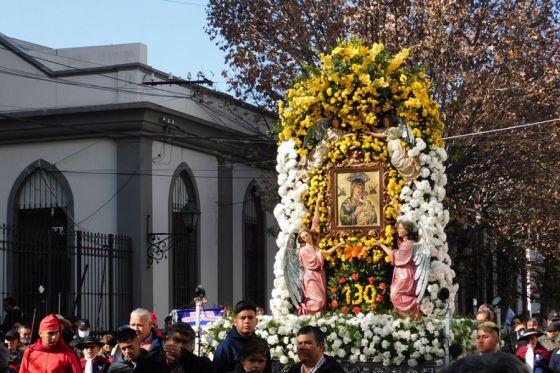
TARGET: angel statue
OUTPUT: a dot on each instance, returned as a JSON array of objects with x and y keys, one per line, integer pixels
[
  {"x": 407, "y": 167},
  {"x": 411, "y": 261},
  {"x": 305, "y": 274},
  {"x": 323, "y": 133}
]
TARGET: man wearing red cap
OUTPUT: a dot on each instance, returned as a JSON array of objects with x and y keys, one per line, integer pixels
[{"x": 50, "y": 353}]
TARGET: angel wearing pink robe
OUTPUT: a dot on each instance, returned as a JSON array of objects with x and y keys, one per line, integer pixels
[
  {"x": 403, "y": 285},
  {"x": 314, "y": 284}
]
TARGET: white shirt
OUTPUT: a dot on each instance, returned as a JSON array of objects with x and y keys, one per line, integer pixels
[
  {"x": 89, "y": 366},
  {"x": 321, "y": 361},
  {"x": 530, "y": 357}
]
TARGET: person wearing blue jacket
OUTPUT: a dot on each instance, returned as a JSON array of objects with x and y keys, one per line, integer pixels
[{"x": 229, "y": 351}]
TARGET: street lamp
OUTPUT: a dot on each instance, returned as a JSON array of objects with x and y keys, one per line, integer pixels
[
  {"x": 159, "y": 243},
  {"x": 190, "y": 214}
]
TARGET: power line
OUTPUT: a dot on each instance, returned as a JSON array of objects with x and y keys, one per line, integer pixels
[
  {"x": 172, "y": 94},
  {"x": 24, "y": 74},
  {"x": 501, "y": 129},
  {"x": 109, "y": 200},
  {"x": 208, "y": 108},
  {"x": 76, "y": 152},
  {"x": 153, "y": 173},
  {"x": 85, "y": 70}
]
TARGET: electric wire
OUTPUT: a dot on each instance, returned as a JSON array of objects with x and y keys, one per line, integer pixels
[
  {"x": 110, "y": 198},
  {"x": 75, "y": 153},
  {"x": 154, "y": 173},
  {"x": 24, "y": 74},
  {"x": 86, "y": 70},
  {"x": 208, "y": 108},
  {"x": 502, "y": 129},
  {"x": 172, "y": 94}
]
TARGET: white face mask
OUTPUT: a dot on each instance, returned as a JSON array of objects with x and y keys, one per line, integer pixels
[{"x": 83, "y": 333}]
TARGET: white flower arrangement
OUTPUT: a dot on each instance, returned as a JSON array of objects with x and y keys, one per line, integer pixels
[
  {"x": 372, "y": 337},
  {"x": 385, "y": 339},
  {"x": 421, "y": 204},
  {"x": 289, "y": 213},
  {"x": 377, "y": 338}
]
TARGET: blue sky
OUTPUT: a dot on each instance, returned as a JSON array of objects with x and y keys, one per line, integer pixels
[{"x": 173, "y": 30}]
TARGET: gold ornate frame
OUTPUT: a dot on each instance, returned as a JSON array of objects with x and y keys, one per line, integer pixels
[{"x": 337, "y": 196}]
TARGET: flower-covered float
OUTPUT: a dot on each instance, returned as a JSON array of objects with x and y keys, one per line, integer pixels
[{"x": 363, "y": 123}]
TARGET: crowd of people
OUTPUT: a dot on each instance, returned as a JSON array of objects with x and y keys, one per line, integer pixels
[
  {"x": 139, "y": 346},
  {"x": 66, "y": 346},
  {"x": 524, "y": 346}
]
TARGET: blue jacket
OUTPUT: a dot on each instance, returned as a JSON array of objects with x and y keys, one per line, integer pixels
[{"x": 228, "y": 353}]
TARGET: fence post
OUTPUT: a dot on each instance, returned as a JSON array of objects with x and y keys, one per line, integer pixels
[
  {"x": 79, "y": 272},
  {"x": 111, "y": 303}
]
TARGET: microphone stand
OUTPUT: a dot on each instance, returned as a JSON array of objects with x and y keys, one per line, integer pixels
[
  {"x": 199, "y": 305},
  {"x": 443, "y": 295},
  {"x": 447, "y": 333}
]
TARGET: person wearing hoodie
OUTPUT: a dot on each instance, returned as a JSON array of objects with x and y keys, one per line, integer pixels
[
  {"x": 50, "y": 353},
  {"x": 229, "y": 351}
]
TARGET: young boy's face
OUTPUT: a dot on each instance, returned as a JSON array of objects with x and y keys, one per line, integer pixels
[{"x": 254, "y": 363}]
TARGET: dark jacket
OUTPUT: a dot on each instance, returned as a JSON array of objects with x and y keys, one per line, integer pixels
[
  {"x": 190, "y": 363},
  {"x": 228, "y": 352},
  {"x": 155, "y": 352},
  {"x": 146, "y": 364},
  {"x": 555, "y": 359},
  {"x": 330, "y": 366},
  {"x": 238, "y": 369},
  {"x": 12, "y": 316}
]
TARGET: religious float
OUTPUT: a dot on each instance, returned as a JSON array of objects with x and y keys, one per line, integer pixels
[{"x": 362, "y": 248}]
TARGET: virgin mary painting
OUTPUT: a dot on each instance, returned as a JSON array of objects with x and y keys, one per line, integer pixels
[{"x": 358, "y": 209}]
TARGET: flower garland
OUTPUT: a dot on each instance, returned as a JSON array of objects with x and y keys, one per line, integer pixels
[
  {"x": 384, "y": 339},
  {"x": 360, "y": 86}
]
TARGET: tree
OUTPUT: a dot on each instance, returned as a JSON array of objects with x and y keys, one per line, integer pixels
[{"x": 493, "y": 65}]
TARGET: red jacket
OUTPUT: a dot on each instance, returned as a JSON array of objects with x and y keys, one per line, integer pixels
[
  {"x": 57, "y": 359},
  {"x": 538, "y": 350}
]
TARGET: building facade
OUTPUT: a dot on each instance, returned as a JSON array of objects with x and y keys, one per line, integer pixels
[{"x": 105, "y": 168}]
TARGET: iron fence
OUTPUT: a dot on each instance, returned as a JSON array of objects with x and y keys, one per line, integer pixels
[{"x": 73, "y": 273}]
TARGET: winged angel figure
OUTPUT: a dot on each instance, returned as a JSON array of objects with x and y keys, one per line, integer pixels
[
  {"x": 411, "y": 261},
  {"x": 303, "y": 268},
  {"x": 292, "y": 271}
]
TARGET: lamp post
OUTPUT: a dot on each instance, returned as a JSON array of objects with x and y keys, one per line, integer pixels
[
  {"x": 160, "y": 243},
  {"x": 190, "y": 213}
]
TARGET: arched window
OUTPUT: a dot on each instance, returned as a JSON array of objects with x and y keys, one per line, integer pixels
[
  {"x": 254, "y": 247},
  {"x": 185, "y": 244},
  {"x": 41, "y": 205}
]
